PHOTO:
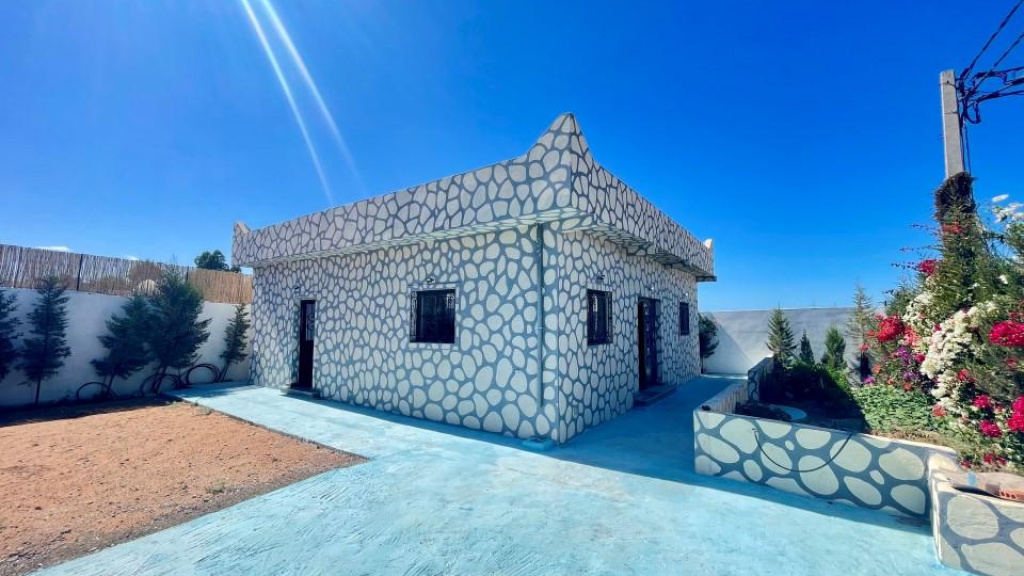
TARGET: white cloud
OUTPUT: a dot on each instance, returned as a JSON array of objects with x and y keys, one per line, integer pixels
[
  {"x": 132, "y": 258},
  {"x": 55, "y": 248}
]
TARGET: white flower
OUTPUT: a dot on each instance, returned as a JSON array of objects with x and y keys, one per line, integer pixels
[
  {"x": 1000, "y": 198},
  {"x": 1004, "y": 279}
]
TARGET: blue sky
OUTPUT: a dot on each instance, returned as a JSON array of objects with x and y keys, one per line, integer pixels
[{"x": 804, "y": 137}]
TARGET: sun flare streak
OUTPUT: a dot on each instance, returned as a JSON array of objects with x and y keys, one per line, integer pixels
[
  {"x": 300, "y": 63},
  {"x": 291, "y": 100}
]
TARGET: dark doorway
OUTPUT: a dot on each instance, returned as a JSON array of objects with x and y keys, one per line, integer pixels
[
  {"x": 307, "y": 332},
  {"x": 647, "y": 340}
]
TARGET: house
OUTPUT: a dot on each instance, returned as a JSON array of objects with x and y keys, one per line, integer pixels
[{"x": 534, "y": 297}]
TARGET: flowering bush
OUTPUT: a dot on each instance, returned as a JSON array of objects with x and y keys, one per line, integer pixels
[{"x": 957, "y": 339}]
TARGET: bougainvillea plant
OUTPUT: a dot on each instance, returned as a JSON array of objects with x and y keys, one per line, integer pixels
[{"x": 959, "y": 338}]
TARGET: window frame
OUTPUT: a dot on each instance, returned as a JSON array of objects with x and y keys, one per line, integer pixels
[
  {"x": 684, "y": 313},
  {"x": 594, "y": 338},
  {"x": 442, "y": 337}
]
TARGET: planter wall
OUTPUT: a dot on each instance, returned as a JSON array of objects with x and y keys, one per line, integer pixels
[
  {"x": 972, "y": 532},
  {"x": 856, "y": 469}
]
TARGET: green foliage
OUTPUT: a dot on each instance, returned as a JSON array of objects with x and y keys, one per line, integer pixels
[
  {"x": 8, "y": 332},
  {"x": 43, "y": 353},
  {"x": 707, "y": 336},
  {"x": 125, "y": 342},
  {"x": 235, "y": 338},
  {"x": 780, "y": 337},
  {"x": 214, "y": 261},
  {"x": 891, "y": 409},
  {"x": 899, "y": 298},
  {"x": 175, "y": 332},
  {"x": 802, "y": 383},
  {"x": 955, "y": 195},
  {"x": 835, "y": 349},
  {"x": 806, "y": 352}
]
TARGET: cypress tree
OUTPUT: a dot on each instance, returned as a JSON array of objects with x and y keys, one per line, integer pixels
[
  {"x": 780, "y": 337},
  {"x": 806, "y": 353},
  {"x": 44, "y": 351},
  {"x": 125, "y": 342},
  {"x": 175, "y": 331},
  {"x": 234, "y": 339},
  {"x": 835, "y": 349},
  {"x": 8, "y": 332}
]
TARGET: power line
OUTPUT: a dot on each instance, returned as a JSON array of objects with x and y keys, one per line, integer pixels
[{"x": 991, "y": 39}]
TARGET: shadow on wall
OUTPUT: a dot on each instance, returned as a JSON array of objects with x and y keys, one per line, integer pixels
[
  {"x": 87, "y": 317},
  {"x": 742, "y": 335}
]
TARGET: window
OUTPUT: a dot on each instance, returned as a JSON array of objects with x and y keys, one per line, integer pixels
[
  {"x": 433, "y": 316},
  {"x": 684, "y": 319},
  {"x": 599, "y": 317}
]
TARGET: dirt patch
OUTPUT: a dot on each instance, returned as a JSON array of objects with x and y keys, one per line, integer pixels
[{"x": 77, "y": 479}]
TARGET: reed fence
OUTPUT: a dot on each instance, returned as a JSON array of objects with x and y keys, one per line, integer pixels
[{"x": 22, "y": 267}]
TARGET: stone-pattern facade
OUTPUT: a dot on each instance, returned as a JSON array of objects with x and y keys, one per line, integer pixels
[
  {"x": 973, "y": 532},
  {"x": 520, "y": 242},
  {"x": 857, "y": 469}
]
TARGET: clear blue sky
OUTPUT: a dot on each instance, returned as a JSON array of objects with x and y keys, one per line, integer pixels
[{"x": 805, "y": 137}]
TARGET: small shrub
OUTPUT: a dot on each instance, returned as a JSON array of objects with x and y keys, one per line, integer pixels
[
  {"x": 234, "y": 339},
  {"x": 175, "y": 331},
  {"x": 804, "y": 384},
  {"x": 892, "y": 409},
  {"x": 806, "y": 352},
  {"x": 125, "y": 342},
  {"x": 780, "y": 337},
  {"x": 835, "y": 349}
]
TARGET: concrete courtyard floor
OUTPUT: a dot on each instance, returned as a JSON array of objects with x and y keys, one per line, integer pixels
[{"x": 620, "y": 499}]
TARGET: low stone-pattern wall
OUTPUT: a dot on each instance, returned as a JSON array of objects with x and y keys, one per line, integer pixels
[
  {"x": 977, "y": 533},
  {"x": 857, "y": 469}
]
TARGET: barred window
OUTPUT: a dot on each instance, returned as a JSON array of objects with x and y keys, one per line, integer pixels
[
  {"x": 684, "y": 319},
  {"x": 599, "y": 317},
  {"x": 433, "y": 317}
]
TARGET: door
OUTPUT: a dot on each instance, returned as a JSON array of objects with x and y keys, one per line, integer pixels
[
  {"x": 307, "y": 333},
  {"x": 647, "y": 338}
]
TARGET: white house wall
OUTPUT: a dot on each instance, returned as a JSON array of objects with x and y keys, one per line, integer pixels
[
  {"x": 487, "y": 379},
  {"x": 598, "y": 383}
]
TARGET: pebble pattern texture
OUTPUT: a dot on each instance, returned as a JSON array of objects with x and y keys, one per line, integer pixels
[
  {"x": 856, "y": 469},
  {"x": 520, "y": 242},
  {"x": 976, "y": 533}
]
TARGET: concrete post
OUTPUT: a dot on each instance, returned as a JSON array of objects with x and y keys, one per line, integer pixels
[{"x": 951, "y": 126}]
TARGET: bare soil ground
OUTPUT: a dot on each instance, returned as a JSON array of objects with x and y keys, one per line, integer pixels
[{"x": 77, "y": 479}]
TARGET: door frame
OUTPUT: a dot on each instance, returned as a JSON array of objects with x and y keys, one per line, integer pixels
[
  {"x": 643, "y": 345},
  {"x": 306, "y": 360}
]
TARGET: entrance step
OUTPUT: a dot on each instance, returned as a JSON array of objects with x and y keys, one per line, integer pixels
[
  {"x": 301, "y": 392},
  {"x": 649, "y": 396}
]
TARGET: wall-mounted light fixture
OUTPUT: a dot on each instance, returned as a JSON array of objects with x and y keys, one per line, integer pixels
[
  {"x": 599, "y": 279},
  {"x": 430, "y": 279}
]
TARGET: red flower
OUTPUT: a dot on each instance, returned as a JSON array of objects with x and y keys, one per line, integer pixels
[
  {"x": 1011, "y": 362},
  {"x": 989, "y": 458},
  {"x": 1018, "y": 405},
  {"x": 1007, "y": 333},
  {"x": 919, "y": 358},
  {"x": 1016, "y": 422},
  {"x": 966, "y": 464},
  {"x": 863, "y": 348},
  {"x": 938, "y": 410},
  {"x": 984, "y": 401},
  {"x": 990, "y": 429},
  {"x": 952, "y": 229},
  {"x": 890, "y": 328},
  {"x": 964, "y": 376},
  {"x": 927, "y": 267}
]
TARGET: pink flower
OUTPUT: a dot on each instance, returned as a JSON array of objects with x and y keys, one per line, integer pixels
[
  {"x": 984, "y": 401},
  {"x": 1007, "y": 333},
  {"x": 1016, "y": 422},
  {"x": 990, "y": 429},
  {"x": 964, "y": 376},
  {"x": 938, "y": 410},
  {"x": 889, "y": 328}
]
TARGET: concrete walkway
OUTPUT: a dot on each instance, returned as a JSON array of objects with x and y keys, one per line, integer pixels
[{"x": 620, "y": 499}]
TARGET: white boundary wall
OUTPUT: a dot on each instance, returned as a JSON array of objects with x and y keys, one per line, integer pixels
[
  {"x": 742, "y": 335},
  {"x": 87, "y": 316}
]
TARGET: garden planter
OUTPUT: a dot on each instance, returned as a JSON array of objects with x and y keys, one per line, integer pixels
[{"x": 974, "y": 532}]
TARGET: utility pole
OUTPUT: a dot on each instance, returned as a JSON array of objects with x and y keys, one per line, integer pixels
[{"x": 951, "y": 124}]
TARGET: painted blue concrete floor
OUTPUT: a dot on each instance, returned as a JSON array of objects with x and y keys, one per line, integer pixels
[{"x": 620, "y": 499}]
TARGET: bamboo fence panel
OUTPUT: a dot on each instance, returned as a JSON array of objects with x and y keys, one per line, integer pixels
[{"x": 22, "y": 267}]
